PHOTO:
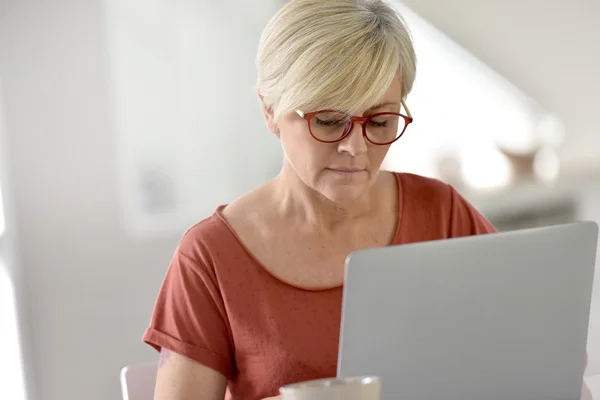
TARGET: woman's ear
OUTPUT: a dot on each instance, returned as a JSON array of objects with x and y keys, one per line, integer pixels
[{"x": 269, "y": 116}]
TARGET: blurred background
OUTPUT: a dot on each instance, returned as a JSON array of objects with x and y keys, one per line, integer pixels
[{"x": 123, "y": 122}]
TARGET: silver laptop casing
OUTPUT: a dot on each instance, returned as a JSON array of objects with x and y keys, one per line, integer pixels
[{"x": 491, "y": 317}]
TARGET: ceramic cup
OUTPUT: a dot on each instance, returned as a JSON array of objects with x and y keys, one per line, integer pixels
[{"x": 358, "y": 388}]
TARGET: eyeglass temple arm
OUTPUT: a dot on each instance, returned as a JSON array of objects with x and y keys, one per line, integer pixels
[{"x": 406, "y": 108}]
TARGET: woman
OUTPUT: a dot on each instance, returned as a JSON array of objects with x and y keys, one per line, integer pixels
[{"x": 252, "y": 299}]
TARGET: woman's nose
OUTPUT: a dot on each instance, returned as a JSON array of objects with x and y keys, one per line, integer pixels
[{"x": 355, "y": 143}]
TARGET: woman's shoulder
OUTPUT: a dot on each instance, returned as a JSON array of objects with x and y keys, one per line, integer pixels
[
  {"x": 423, "y": 192},
  {"x": 218, "y": 240},
  {"x": 207, "y": 237},
  {"x": 437, "y": 210},
  {"x": 419, "y": 185}
]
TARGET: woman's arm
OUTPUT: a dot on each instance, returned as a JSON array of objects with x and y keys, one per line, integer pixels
[{"x": 179, "y": 378}]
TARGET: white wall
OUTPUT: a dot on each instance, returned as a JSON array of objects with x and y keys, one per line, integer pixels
[
  {"x": 186, "y": 110},
  {"x": 79, "y": 268},
  {"x": 90, "y": 286},
  {"x": 548, "y": 48}
]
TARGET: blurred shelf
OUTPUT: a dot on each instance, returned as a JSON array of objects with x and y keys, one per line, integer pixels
[{"x": 528, "y": 199}]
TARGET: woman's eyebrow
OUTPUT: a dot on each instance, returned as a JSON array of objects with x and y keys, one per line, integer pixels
[{"x": 381, "y": 105}]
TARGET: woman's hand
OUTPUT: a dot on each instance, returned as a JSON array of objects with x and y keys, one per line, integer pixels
[{"x": 274, "y": 398}]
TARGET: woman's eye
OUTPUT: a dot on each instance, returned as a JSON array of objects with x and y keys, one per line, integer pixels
[
  {"x": 330, "y": 122},
  {"x": 379, "y": 124}
]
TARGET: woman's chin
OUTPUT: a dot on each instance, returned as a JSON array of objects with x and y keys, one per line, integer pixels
[{"x": 344, "y": 194}]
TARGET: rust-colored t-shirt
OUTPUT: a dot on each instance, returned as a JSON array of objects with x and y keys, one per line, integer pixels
[{"x": 220, "y": 307}]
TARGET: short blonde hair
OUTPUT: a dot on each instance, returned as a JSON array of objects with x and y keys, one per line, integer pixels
[{"x": 333, "y": 54}]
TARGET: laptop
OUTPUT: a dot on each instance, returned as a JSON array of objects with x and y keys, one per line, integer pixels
[{"x": 492, "y": 317}]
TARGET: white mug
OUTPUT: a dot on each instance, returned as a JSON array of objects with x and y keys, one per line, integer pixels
[{"x": 359, "y": 388}]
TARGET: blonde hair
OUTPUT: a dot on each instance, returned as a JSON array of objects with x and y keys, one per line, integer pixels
[{"x": 333, "y": 54}]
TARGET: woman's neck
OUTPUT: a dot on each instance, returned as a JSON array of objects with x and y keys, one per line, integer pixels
[{"x": 296, "y": 201}]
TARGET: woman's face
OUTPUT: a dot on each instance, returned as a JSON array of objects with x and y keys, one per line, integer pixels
[{"x": 340, "y": 171}]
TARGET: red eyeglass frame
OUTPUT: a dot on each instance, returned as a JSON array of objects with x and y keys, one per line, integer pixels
[{"x": 362, "y": 120}]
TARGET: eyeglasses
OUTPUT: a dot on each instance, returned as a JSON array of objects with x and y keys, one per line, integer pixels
[{"x": 330, "y": 126}]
